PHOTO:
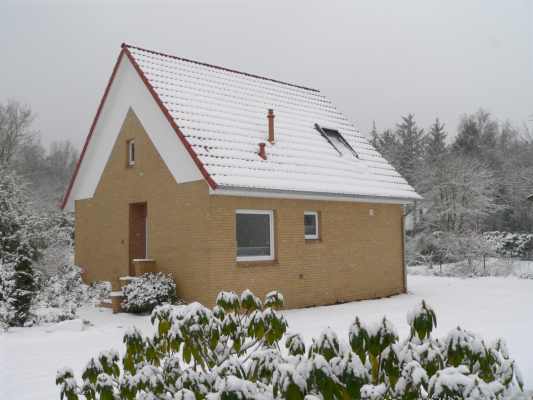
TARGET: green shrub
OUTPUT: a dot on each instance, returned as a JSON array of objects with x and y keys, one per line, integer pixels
[{"x": 234, "y": 352}]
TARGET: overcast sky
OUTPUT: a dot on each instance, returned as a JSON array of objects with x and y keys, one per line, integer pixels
[{"x": 377, "y": 60}]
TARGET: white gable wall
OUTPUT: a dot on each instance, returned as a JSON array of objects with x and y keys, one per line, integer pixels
[{"x": 128, "y": 90}]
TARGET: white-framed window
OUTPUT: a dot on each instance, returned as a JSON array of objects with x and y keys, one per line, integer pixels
[
  {"x": 131, "y": 153},
  {"x": 311, "y": 224},
  {"x": 254, "y": 234}
]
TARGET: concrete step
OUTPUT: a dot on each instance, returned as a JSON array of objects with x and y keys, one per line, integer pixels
[
  {"x": 106, "y": 303},
  {"x": 116, "y": 296}
]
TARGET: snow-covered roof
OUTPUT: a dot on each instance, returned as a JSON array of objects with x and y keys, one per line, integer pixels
[{"x": 220, "y": 115}]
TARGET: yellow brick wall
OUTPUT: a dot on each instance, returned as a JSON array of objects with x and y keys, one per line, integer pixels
[
  {"x": 357, "y": 256},
  {"x": 177, "y": 228},
  {"x": 192, "y": 235}
]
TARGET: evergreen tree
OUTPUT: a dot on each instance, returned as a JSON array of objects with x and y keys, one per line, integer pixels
[
  {"x": 468, "y": 137},
  {"x": 411, "y": 149},
  {"x": 477, "y": 136},
  {"x": 374, "y": 132},
  {"x": 480, "y": 182},
  {"x": 436, "y": 142},
  {"x": 387, "y": 144},
  {"x": 404, "y": 148},
  {"x": 19, "y": 240}
]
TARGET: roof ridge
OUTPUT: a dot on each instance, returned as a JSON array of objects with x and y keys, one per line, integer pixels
[{"x": 220, "y": 67}]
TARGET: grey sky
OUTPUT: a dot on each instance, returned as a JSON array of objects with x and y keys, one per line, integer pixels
[{"x": 376, "y": 60}]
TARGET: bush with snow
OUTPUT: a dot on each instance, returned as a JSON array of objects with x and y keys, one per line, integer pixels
[
  {"x": 444, "y": 247},
  {"x": 57, "y": 245},
  {"x": 144, "y": 293},
  {"x": 62, "y": 288},
  {"x": 511, "y": 244},
  {"x": 8, "y": 308},
  {"x": 60, "y": 294},
  {"x": 234, "y": 351}
]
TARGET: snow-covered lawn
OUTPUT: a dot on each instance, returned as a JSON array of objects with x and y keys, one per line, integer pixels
[
  {"x": 492, "y": 307},
  {"x": 501, "y": 267}
]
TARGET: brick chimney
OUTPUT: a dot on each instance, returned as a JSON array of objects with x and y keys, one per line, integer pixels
[
  {"x": 270, "y": 117},
  {"x": 262, "y": 152}
]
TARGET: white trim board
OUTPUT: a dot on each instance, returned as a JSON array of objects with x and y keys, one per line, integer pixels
[
  {"x": 306, "y": 196},
  {"x": 129, "y": 91}
]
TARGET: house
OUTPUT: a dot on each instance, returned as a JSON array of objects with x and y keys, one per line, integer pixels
[{"x": 230, "y": 181}]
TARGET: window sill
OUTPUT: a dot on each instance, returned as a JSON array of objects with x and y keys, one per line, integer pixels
[
  {"x": 315, "y": 240},
  {"x": 258, "y": 263}
]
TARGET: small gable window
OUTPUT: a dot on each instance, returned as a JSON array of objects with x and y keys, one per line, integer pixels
[
  {"x": 336, "y": 140},
  {"x": 311, "y": 225},
  {"x": 255, "y": 235},
  {"x": 131, "y": 153}
]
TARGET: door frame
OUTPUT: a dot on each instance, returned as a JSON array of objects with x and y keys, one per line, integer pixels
[{"x": 131, "y": 206}]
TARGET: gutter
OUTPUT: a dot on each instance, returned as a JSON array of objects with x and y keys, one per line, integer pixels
[{"x": 222, "y": 190}]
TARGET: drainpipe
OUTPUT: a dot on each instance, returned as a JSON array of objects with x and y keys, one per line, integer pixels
[{"x": 404, "y": 214}]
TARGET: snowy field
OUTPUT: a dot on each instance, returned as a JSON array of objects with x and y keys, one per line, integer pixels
[{"x": 492, "y": 307}]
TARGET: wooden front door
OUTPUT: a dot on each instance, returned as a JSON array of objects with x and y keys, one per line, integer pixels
[{"x": 138, "y": 234}]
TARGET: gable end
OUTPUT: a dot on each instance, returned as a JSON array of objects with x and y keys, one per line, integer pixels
[{"x": 118, "y": 98}]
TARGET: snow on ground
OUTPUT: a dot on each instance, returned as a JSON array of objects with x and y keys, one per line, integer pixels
[
  {"x": 492, "y": 267},
  {"x": 492, "y": 307}
]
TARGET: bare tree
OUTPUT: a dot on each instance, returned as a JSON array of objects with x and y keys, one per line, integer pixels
[
  {"x": 61, "y": 160},
  {"x": 459, "y": 193},
  {"x": 15, "y": 129}
]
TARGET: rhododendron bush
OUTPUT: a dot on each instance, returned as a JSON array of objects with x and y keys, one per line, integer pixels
[{"x": 241, "y": 349}]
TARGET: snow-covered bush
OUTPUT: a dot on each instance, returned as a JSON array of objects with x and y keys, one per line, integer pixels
[
  {"x": 511, "y": 244},
  {"x": 234, "y": 352},
  {"x": 424, "y": 248},
  {"x": 63, "y": 288},
  {"x": 44, "y": 314},
  {"x": 8, "y": 310},
  {"x": 430, "y": 248},
  {"x": 98, "y": 291},
  {"x": 58, "y": 242},
  {"x": 144, "y": 293},
  {"x": 61, "y": 293}
]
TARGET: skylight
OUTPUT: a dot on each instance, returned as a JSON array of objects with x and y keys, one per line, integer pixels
[{"x": 336, "y": 140}]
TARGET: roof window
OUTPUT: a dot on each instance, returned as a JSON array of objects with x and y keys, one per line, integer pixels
[{"x": 336, "y": 140}]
